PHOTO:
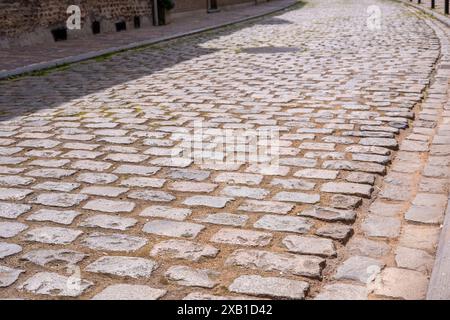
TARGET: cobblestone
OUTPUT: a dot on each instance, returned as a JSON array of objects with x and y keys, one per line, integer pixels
[{"x": 98, "y": 159}]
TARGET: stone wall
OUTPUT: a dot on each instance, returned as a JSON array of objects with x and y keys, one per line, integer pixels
[{"x": 25, "y": 22}]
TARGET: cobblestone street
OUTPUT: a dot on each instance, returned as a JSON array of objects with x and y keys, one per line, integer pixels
[{"x": 99, "y": 200}]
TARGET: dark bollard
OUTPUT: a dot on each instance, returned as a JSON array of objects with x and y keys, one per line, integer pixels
[
  {"x": 433, "y": 4},
  {"x": 418, "y": 1},
  {"x": 447, "y": 6}
]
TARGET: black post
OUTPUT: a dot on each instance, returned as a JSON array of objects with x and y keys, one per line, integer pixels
[
  {"x": 446, "y": 7},
  {"x": 433, "y": 5},
  {"x": 418, "y": 1}
]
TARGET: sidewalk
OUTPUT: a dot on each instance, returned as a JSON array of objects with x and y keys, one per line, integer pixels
[
  {"x": 438, "y": 12},
  {"x": 16, "y": 61}
]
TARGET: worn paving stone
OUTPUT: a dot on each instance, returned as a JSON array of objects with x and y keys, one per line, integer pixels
[
  {"x": 52, "y": 235},
  {"x": 207, "y": 201},
  {"x": 14, "y": 194},
  {"x": 382, "y": 227},
  {"x": 151, "y": 195},
  {"x": 44, "y": 257},
  {"x": 58, "y": 216},
  {"x": 358, "y": 268},
  {"x": 166, "y": 212},
  {"x": 56, "y": 186},
  {"x": 239, "y": 178},
  {"x": 419, "y": 237},
  {"x": 329, "y": 214},
  {"x": 177, "y": 229},
  {"x": 364, "y": 247},
  {"x": 113, "y": 242},
  {"x": 97, "y": 178},
  {"x": 54, "y": 199},
  {"x": 301, "y": 265},
  {"x": 9, "y": 249},
  {"x": 129, "y": 292},
  {"x": 53, "y": 284},
  {"x": 310, "y": 245},
  {"x": 335, "y": 231},
  {"x": 110, "y": 206},
  {"x": 414, "y": 259},
  {"x": 133, "y": 267},
  {"x": 11, "y": 229},
  {"x": 297, "y": 197},
  {"x": 105, "y": 191},
  {"x": 223, "y": 218},
  {"x": 8, "y": 276},
  {"x": 273, "y": 287},
  {"x": 245, "y": 192},
  {"x": 342, "y": 291},
  {"x": 137, "y": 170},
  {"x": 242, "y": 237},
  {"x": 283, "y": 223},
  {"x": 355, "y": 189},
  {"x": 187, "y": 276},
  {"x": 183, "y": 249},
  {"x": 108, "y": 222},
  {"x": 265, "y": 206},
  {"x": 401, "y": 284},
  {"x": 12, "y": 211}
]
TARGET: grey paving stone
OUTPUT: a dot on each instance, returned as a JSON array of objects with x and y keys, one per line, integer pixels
[
  {"x": 355, "y": 189},
  {"x": 8, "y": 276},
  {"x": 43, "y": 257},
  {"x": 111, "y": 206},
  {"x": 9, "y": 249},
  {"x": 358, "y": 268},
  {"x": 133, "y": 267},
  {"x": 414, "y": 259},
  {"x": 52, "y": 235},
  {"x": 384, "y": 227},
  {"x": 310, "y": 245},
  {"x": 113, "y": 242},
  {"x": 284, "y": 223},
  {"x": 364, "y": 247},
  {"x": 108, "y": 222},
  {"x": 335, "y": 231},
  {"x": 223, "y": 218},
  {"x": 56, "y": 186},
  {"x": 297, "y": 197},
  {"x": 14, "y": 181},
  {"x": 12, "y": 194},
  {"x": 294, "y": 264},
  {"x": 11, "y": 229},
  {"x": 342, "y": 291},
  {"x": 151, "y": 195},
  {"x": 266, "y": 206},
  {"x": 188, "y": 186},
  {"x": 129, "y": 292},
  {"x": 105, "y": 191},
  {"x": 12, "y": 211},
  {"x": 54, "y": 199},
  {"x": 183, "y": 249},
  {"x": 166, "y": 212},
  {"x": 207, "y": 201},
  {"x": 97, "y": 178},
  {"x": 137, "y": 170},
  {"x": 53, "y": 284},
  {"x": 242, "y": 237},
  {"x": 143, "y": 182},
  {"x": 187, "y": 276},
  {"x": 58, "y": 216},
  {"x": 239, "y": 178},
  {"x": 177, "y": 229},
  {"x": 293, "y": 184},
  {"x": 270, "y": 287},
  {"x": 188, "y": 174},
  {"x": 245, "y": 192},
  {"x": 50, "y": 173},
  {"x": 329, "y": 214},
  {"x": 401, "y": 284}
]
